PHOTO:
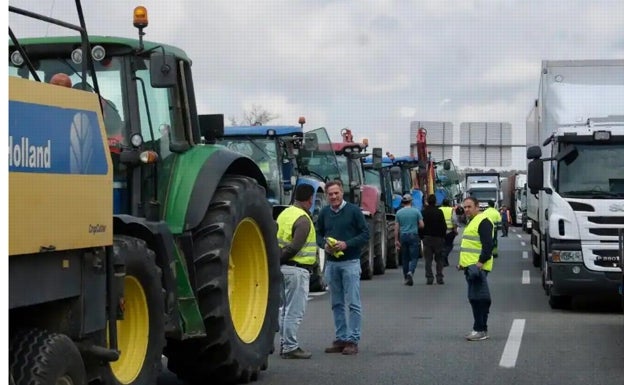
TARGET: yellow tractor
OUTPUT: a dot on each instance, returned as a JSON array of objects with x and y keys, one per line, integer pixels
[{"x": 131, "y": 234}]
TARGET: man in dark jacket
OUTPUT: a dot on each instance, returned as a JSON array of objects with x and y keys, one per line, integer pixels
[
  {"x": 433, "y": 240},
  {"x": 342, "y": 231}
]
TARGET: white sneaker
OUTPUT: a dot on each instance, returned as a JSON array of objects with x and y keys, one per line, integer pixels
[
  {"x": 479, "y": 336},
  {"x": 471, "y": 334}
]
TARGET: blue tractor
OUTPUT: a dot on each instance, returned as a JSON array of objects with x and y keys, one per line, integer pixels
[{"x": 287, "y": 157}]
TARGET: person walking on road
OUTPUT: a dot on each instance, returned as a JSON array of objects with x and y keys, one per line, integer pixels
[
  {"x": 451, "y": 228},
  {"x": 475, "y": 259},
  {"x": 433, "y": 234},
  {"x": 297, "y": 239},
  {"x": 407, "y": 222},
  {"x": 342, "y": 231},
  {"x": 505, "y": 220},
  {"x": 495, "y": 217}
]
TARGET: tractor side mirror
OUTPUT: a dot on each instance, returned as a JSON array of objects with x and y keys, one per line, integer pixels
[
  {"x": 163, "y": 70},
  {"x": 377, "y": 158}
]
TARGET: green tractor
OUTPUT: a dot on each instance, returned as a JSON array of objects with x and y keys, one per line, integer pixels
[{"x": 144, "y": 238}]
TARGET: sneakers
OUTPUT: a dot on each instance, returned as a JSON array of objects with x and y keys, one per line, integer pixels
[
  {"x": 477, "y": 336},
  {"x": 440, "y": 281},
  {"x": 297, "y": 354},
  {"x": 351, "y": 349},
  {"x": 336, "y": 347},
  {"x": 429, "y": 281},
  {"x": 409, "y": 280}
]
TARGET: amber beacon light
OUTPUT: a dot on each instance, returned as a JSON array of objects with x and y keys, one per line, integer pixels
[{"x": 139, "y": 18}]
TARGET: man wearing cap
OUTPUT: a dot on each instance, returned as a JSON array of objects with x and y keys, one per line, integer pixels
[{"x": 408, "y": 221}]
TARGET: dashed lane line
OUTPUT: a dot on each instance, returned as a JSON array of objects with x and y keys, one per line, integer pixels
[
  {"x": 523, "y": 243},
  {"x": 512, "y": 346},
  {"x": 526, "y": 277},
  {"x": 525, "y": 255}
]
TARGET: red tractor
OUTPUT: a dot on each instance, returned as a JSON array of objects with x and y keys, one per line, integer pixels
[{"x": 350, "y": 156}]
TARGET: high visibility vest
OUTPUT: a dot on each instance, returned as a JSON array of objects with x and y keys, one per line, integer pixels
[
  {"x": 448, "y": 216},
  {"x": 285, "y": 222},
  {"x": 494, "y": 216},
  {"x": 470, "y": 247}
]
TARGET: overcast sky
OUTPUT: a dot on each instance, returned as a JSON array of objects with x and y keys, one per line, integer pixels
[{"x": 370, "y": 65}]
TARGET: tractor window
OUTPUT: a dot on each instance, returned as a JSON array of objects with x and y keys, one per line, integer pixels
[{"x": 156, "y": 126}]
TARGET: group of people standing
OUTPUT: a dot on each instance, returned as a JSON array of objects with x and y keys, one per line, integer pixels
[
  {"x": 341, "y": 230},
  {"x": 437, "y": 226}
]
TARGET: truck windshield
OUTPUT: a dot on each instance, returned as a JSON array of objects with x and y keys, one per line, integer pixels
[
  {"x": 597, "y": 172},
  {"x": 484, "y": 195}
]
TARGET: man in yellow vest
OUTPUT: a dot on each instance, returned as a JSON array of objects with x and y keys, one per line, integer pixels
[
  {"x": 475, "y": 258},
  {"x": 451, "y": 228},
  {"x": 297, "y": 239},
  {"x": 496, "y": 219}
]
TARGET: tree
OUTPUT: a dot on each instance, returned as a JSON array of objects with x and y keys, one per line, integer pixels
[{"x": 256, "y": 115}]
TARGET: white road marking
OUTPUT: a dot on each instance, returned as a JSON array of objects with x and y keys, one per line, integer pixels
[
  {"x": 523, "y": 243},
  {"x": 525, "y": 255},
  {"x": 526, "y": 277},
  {"x": 519, "y": 236},
  {"x": 512, "y": 346}
]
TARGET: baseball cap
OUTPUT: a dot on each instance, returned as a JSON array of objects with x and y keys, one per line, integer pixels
[{"x": 406, "y": 198}]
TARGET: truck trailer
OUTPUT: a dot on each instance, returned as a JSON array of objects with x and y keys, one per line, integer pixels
[{"x": 577, "y": 189}]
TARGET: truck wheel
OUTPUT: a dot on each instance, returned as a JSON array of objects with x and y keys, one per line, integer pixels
[
  {"x": 392, "y": 259},
  {"x": 37, "y": 357},
  {"x": 559, "y": 301},
  {"x": 141, "y": 334},
  {"x": 380, "y": 239},
  {"x": 236, "y": 261}
]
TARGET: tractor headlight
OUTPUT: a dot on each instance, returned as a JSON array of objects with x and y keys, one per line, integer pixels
[{"x": 567, "y": 256}]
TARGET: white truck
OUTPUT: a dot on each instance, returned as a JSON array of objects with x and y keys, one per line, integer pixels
[
  {"x": 485, "y": 186},
  {"x": 518, "y": 198},
  {"x": 578, "y": 207}
]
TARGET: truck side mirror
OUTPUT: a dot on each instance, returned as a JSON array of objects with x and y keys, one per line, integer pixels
[
  {"x": 163, "y": 70},
  {"x": 535, "y": 177},
  {"x": 534, "y": 152},
  {"x": 377, "y": 155}
]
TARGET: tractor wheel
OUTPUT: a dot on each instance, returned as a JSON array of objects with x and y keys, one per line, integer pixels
[
  {"x": 367, "y": 256},
  {"x": 380, "y": 238},
  {"x": 141, "y": 334},
  {"x": 238, "y": 277},
  {"x": 37, "y": 357},
  {"x": 392, "y": 258}
]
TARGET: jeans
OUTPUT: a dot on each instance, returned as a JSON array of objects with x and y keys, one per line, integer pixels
[
  {"x": 343, "y": 279},
  {"x": 480, "y": 312},
  {"x": 410, "y": 249},
  {"x": 480, "y": 301},
  {"x": 433, "y": 247},
  {"x": 296, "y": 284}
]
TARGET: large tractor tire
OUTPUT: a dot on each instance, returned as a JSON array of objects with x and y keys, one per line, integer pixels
[
  {"x": 238, "y": 277},
  {"x": 367, "y": 256},
  {"x": 141, "y": 333},
  {"x": 380, "y": 249},
  {"x": 37, "y": 357},
  {"x": 392, "y": 258}
]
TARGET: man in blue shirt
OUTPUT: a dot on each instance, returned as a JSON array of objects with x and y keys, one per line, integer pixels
[
  {"x": 408, "y": 220},
  {"x": 346, "y": 225}
]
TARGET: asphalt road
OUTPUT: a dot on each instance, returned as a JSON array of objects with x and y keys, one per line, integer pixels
[{"x": 414, "y": 335}]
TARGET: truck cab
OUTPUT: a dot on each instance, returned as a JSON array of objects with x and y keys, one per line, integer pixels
[{"x": 576, "y": 174}]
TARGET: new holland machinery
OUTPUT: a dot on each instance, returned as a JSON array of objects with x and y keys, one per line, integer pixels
[
  {"x": 131, "y": 235},
  {"x": 288, "y": 157}
]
